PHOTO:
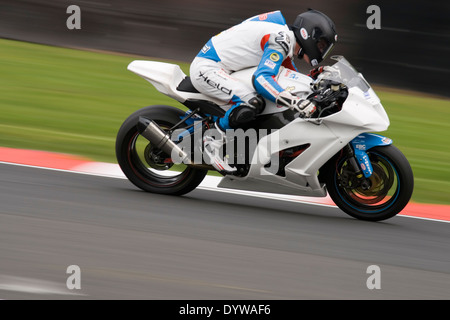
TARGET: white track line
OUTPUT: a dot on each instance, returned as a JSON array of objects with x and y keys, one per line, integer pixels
[{"x": 35, "y": 286}]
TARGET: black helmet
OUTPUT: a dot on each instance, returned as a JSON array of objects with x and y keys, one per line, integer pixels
[{"x": 316, "y": 35}]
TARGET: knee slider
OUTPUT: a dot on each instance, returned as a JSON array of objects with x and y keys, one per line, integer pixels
[
  {"x": 258, "y": 102},
  {"x": 241, "y": 115}
]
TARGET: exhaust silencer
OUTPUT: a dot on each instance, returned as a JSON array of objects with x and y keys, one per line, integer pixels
[{"x": 153, "y": 133}]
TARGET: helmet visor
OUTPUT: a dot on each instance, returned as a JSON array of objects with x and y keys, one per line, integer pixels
[{"x": 324, "y": 47}]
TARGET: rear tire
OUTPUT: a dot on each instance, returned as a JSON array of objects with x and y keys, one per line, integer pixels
[
  {"x": 135, "y": 156},
  {"x": 392, "y": 184}
]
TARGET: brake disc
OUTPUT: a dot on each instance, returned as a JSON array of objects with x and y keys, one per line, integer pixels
[{"x": 381, "y": 182}]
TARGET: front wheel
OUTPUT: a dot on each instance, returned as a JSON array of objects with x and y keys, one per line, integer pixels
[
  {"x": 390, "y": 185},
  {"x": 148, "y": 167}
]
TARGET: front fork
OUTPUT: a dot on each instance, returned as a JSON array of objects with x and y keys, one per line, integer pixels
[
  {"x": 362, "y": 171},
  {"x": 359, "y": 159}
]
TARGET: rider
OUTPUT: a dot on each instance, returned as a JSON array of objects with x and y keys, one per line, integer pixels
[{"x": 265, "y": 41}]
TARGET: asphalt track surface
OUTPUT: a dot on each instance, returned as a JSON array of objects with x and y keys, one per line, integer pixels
[{"x": 205, "y": 245}]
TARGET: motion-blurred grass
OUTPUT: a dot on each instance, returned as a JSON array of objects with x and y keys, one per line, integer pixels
[{"x": 74, "y": 101}]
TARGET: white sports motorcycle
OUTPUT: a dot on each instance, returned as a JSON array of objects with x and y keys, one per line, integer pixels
[{"x": 332, "y": 152}]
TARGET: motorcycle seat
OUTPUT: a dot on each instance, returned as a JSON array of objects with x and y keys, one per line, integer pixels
[{"x": 186, "y": 86}]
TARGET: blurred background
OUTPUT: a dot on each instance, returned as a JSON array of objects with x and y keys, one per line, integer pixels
[
  {"x": 69, "y": 91},
  {"x": 409, "y": 51}
]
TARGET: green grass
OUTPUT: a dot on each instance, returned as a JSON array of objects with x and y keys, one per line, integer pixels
[
  {"x": 420, "y": 127},
  {"x": 74, "y": 101}
]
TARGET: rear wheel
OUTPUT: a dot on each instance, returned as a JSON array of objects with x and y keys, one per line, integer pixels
[
  {"x": 147, "y": 167},
  {"x": 390, "y": 185}
]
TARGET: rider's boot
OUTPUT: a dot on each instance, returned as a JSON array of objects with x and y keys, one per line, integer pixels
[{"x": 213, "y": 142}]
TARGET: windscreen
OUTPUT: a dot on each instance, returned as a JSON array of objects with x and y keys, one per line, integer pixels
[{"x": 343, "y": 72}]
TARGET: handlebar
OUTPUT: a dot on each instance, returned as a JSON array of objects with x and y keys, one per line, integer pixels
[{"x": 328, "y": 96}]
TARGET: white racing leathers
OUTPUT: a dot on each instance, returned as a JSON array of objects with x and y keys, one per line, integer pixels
[{"x": 264, "y": 41}]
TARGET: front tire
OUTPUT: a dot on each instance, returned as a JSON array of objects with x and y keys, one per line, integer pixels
[
  {"x": 391, "y": 185},
  {"x": 147, "y": 168}
]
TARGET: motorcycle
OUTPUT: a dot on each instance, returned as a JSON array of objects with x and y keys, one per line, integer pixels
[{"x": 334, "y": 152}]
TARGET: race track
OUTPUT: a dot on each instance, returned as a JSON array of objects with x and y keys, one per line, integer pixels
[{"x": 129, "y": 244}]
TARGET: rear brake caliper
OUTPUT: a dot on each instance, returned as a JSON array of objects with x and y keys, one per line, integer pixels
[{"x": 156, "y": 158}]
